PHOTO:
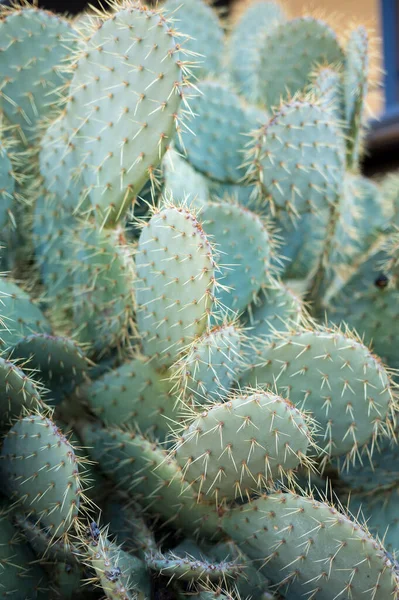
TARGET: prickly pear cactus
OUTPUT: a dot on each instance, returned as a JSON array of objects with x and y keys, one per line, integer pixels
[{"x": 198, "y": 319}]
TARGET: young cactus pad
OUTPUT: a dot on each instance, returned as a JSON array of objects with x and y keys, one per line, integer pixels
[
  {"x": 175, "y": 268},
  {"x": 226, "y": 453}
]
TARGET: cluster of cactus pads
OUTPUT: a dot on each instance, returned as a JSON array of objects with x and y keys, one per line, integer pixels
[{"x": 199, "y": 309}]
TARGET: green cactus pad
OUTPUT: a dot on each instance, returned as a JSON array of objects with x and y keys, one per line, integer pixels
[
  {"x": 380, "y": 511},
  {"x": 355, "y": 89},
  {"x": 103, "y": 301},
  {"x": 21, "y": 315},
  {"x": 7, "y": 186},
  {"x": 253, "y": 583},
  {"x": 216, "y": 136},
  {"x": 52, "y": 248},
  {"x": 277, "y": 308},
  {"x": 302, "y": 242},
  {"x": 41, "y": 473},
  {"x": 18, "y": 391},
  {"x": 35, "y": 45},
  {"x": 245, "y": 246},
  {"x": 182, "y": 182},
  {"x": 175, "y": 268},
  {"x": 61, "y": 362},
  {"x": 20, "y": 577},
  {"x": 187, "y": 568},
  {"x": 205, "y": 45},
  {"x": 289, "y": 52},
  {"x": 368, "y": 304},
  {"x": 381, "y": 473},
  {"x": 244, "y": 59},
  {"x": 41, "y": 542},
  {"x": 225, "y": 454},
  {"x": 126, "y": 112},
  {"x": 297, "y": 160},
  {"x": 120, "y": 575},
  {"x": 134, "y": 394},
  {"x": 151, "y": 477},
  {"x": 127, "y": 524},
  {"x": 310, "y": 548},
  {"x": 338, "y": 380},
  {"x": 327, "y": 86},
  {"x": 209, "y": 367}
]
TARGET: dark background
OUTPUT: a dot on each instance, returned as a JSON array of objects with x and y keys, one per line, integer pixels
[{"x": 76, "y": 6}]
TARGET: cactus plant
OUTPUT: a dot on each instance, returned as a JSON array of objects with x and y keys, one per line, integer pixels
[{"x": 199, "y": 332}]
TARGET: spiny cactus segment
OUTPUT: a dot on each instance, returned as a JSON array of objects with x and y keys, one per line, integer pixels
[{"x": 198, "y": 310}]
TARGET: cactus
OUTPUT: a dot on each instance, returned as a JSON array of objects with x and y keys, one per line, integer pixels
[
  {"x": 41, "y": 472},
  {"x": 224, "y": 454},
  {"x": 198, "y": 323}
]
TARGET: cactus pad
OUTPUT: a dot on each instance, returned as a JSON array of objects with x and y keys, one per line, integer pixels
[
  {"x": 176, "y": 279},
  {"x": 219, "y": 131},
  {"x": 245, "y": 247},
  {"x": 34, "y": 47},
  {"x": 41, "y": 473},
  {"x": 208, "y": 368},
  {"x": 126, "y": 112},
  {"x": 306, "y": 547},
  {"x": 134, "y": 394},
  {"x": 224, "y": 453},
  {"x": 338, "y": 380},
  {"x": 297, "y": 159},
  {"x": 289, "y": 52},
  {"x": 18, "y": 391},
  {"x": 198, "y": 20}
]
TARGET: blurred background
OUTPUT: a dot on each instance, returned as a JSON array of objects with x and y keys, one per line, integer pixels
[{"x": 381, "y": 17}]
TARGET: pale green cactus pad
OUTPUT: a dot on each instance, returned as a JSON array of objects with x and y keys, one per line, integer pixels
[
  {"x": 21, "y": 315},
  {"x": 302, "y": 241},
  {"x": 289, "y": 52},
  {"x": 134, "y": 394},
  {"x": 225, "y": 454},
  {"x": 380, "y": 511},
  {"x": 20, "y": 576},
  {"x": 381, "y": 472},
  {"x": 355, "y": 89},
  {"x": 245, "y": 247},
  {"x": 35, "y": 47},
  {"x": 244, "y": 59},
  {"x": 198, "y": 20},
  {"x": 120, "y": 575},
  {"x": 362, "y": 216},
  {"x": 60, "y": 362},
  {"x": 369, "y": 304},
  {"x": 187, "y": 568},
  {"x": 328, "y": 88},
  {"x": 176, "y": 274},
  {"x": 305, "y": 546},
  {"x": 182, "y": 182},
  {"x": 216, "y": 137},
  {"x": 41, "y": 473},
  {"x": 338, "y": 380},
  {"x": 151, "y": 477},
  {"x": 209, "y": 367},
  {"x": 297, "y": 159},
  {"x": 18, "y": 391},
  {"x": 7, "y": 186},
  {"x": 125, "y": 113},
  {"x": 277, "y": 308},
  {"x": 103, "y": 273}
]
